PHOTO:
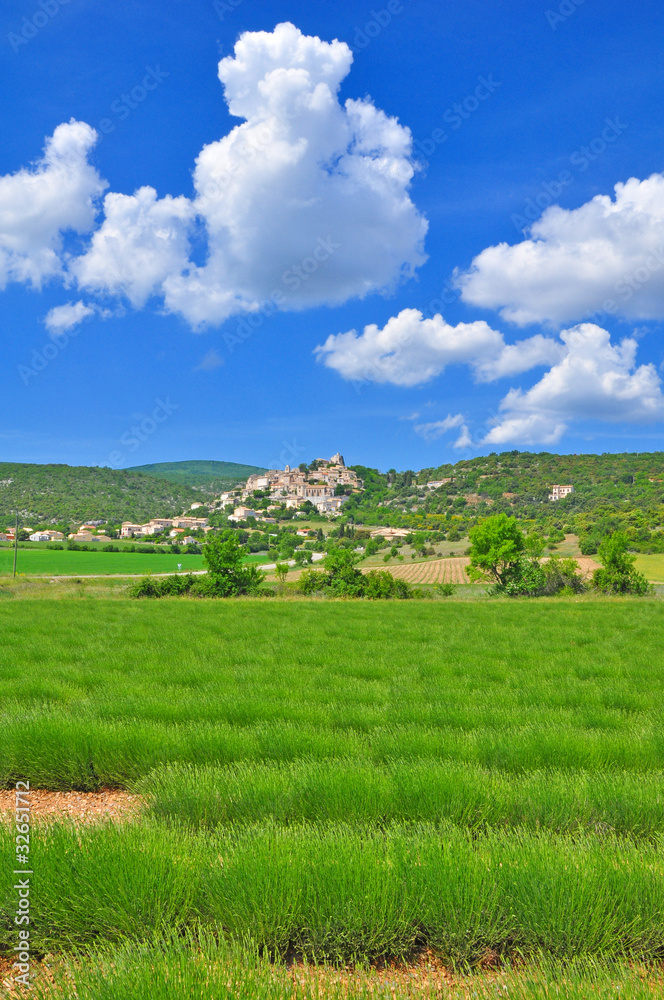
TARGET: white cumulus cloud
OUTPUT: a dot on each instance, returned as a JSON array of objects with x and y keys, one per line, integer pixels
[
  {"x": 66, "y": 317},
  {"x": 606, "y": 256},
  {"x": 595, "y": 380},
  {"x": 142, "y": 240},
  {"x": 39, "y": 205},
  {"x": 304, "y": 202},
  {"x": 410, "y": 350}
]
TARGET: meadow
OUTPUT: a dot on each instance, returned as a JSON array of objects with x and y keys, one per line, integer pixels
[
  {"x": 68, "y": 562},
  {"x": 348, "y": 784},
  {"x": 652, "y": 566}
]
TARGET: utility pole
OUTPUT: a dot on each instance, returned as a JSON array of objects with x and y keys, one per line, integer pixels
[{"x": 15, "y": 543}]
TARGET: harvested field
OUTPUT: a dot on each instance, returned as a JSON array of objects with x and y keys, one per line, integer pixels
[
  {"x": 453, "y": 570},
  {"x": 434, "y": 571}
]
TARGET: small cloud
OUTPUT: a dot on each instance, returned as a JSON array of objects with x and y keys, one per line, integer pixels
[
  {"x": 212, "y": 360},
  {"x": 62, "y": 318},
  {"x": 464, "y": 439},
  {"x": 436, "y": 429},
  {"x": 410, "y": 416},
  {"x": 432, "y": 431}
]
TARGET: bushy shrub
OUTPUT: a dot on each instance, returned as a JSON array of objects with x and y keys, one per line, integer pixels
[
  {"x": 588, "y": 545},
  {"x": 166, "y": 586},
  {"x": 312, "y": 581},
  {"x": 341, "y": 578},
  {"x": 562, "y": 575},
  {"x": 55, "y": 546},
  {"x": 226, "y": 576},
  {"x": 381, "y": 585},
  {"x": 617, "y": 575}
]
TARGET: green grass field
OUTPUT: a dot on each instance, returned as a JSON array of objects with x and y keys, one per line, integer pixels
[
  {"x": 652, "y": 566},
  {"x": 53, "y": 562},
  {"x": 349, "y": 783}
]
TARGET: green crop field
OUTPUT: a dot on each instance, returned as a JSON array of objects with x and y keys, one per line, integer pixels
[
  {"x": 345, "y": 783},
  {"x": 652, "y": 566},
  {"x": 66, "y": 562}
]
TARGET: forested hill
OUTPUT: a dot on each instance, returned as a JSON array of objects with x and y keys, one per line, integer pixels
[
  {"x": 625, "y": 486},
  {"x": 208, "y": 477},
  {"x": 73, "y": 493},
  {"x": 636, "y": 479}
]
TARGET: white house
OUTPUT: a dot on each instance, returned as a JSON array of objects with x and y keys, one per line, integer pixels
[
  {"x": 558, "y": 492},
  {"x": 242, "y": 513},
  {"x": 129, "y": 530}
]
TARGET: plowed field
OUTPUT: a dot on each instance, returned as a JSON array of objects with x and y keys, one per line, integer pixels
[
  {"x": 434, "y": 571},
  {"x": 452, "y": 570}
]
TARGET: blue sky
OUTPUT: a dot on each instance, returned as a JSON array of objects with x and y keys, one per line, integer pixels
[{"x": 390, "y": 232}]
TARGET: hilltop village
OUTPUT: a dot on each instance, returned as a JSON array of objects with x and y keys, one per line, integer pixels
[
  {"x": 325, "y": 484},
  {"x": 322, "y": 487}
]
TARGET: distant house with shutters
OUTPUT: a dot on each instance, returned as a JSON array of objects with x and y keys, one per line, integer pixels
[{"x": 558, "y": 492}]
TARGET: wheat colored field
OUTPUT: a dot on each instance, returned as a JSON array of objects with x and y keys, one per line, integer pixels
[{"x": 455, "y": 570}]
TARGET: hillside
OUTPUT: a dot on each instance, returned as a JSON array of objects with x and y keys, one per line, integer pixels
[
  {"x": 598, "y": 480},
  {"x": 625, "y": 490},
  {"x": 207, "y": 477},
  {"x": 66, "y": 493}
]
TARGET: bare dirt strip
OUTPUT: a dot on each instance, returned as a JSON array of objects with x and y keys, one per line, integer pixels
[{"x": 79, "y": 807}]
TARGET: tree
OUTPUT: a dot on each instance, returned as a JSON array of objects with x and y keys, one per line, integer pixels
[
  {"x": 228, "y": 577},
  {"x": 343, "y": 576},
  {"x": 617, "y": 575},
  {"x": 497, "y": 548}
]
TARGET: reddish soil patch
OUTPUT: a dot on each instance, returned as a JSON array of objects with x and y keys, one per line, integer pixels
[{"x": 81, "y": 807}]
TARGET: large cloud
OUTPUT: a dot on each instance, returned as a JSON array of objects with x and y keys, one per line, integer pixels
[
  {"x": 411, "y": 350},
  {"x": 606, "y": 256},
  {"x": 38, "y": 206},
  {"x": 595, "y": 380},
  {"x": 305, "y": 202}
]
